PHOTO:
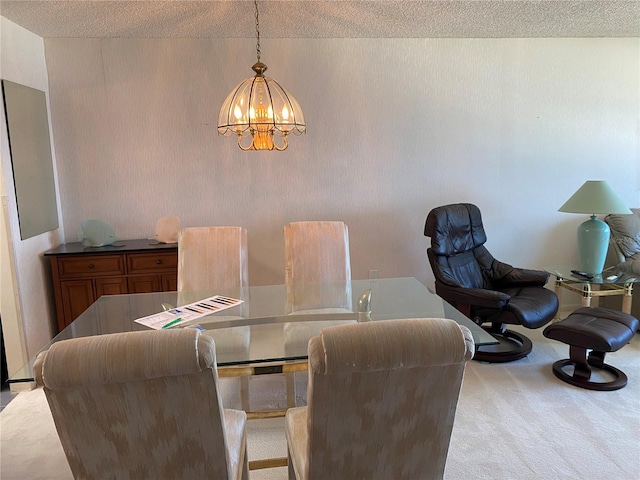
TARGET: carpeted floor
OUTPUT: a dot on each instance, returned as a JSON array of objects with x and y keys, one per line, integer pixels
[{"x": 514, "y": 421}]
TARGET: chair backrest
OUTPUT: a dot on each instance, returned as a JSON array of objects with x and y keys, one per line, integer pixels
[
  {"x": 213, "y": 258},
  {"x": 457, "y": 254},
  {"x": 382, "y": 398},
  {"x": 317, "y": 266},
  {"x": 137, "y": 405}
]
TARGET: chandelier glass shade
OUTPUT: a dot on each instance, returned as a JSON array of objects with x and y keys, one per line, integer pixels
[{"x": 259, "y": 109}]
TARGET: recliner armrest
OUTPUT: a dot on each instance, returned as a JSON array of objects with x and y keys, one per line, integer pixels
[
  {"x": 523, "y": 276},
  {"x": 478, "y": 297},
  {"x": 504, "y": 275}
]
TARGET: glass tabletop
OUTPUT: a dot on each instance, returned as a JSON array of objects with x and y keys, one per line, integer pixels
[
  {"x": 610, "y": 276},
  {"x": 264, "y": 313}
]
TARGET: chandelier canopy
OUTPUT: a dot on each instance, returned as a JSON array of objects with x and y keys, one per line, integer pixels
[{"x": 260, "y": 108}]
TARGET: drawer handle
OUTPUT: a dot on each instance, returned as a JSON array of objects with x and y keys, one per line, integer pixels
[
  {"x": 158, "y": 262},
  {"x": 92, "y": 266}
]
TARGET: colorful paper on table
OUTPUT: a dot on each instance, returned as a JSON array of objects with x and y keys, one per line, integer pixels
[{"x": 188, "y": 313}]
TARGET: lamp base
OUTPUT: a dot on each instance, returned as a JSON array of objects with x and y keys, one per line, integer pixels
[{"x": 593, "y": 242}]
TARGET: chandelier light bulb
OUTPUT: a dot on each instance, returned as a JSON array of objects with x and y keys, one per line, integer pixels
[{"x": 237, "y": 112}]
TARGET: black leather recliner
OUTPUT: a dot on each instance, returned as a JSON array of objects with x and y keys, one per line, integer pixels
[{"x": 491, "y": 293}]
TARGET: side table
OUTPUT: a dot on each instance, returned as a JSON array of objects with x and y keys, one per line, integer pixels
[{"x": 611, "y": 282}]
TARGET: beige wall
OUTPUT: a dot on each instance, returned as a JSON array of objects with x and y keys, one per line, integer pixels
[
  {"x": 395, "y": 127},
  {"x": 25, "y": 300}
]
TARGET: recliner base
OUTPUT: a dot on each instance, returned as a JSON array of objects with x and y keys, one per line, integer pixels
[{"x": 486, "y": 353}]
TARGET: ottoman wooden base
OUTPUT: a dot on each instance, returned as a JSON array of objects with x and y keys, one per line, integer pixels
[{"x": 582, "y": 372}]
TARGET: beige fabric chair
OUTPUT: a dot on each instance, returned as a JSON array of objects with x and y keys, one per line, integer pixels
[
  {"x": 624, "y": 251},
  {"x": 317, "y": 279},
  {"x": 381, "y": 399},
  {"x": 211, "y": 258},
  {"x": 142, "y": 405},
  {"x": 317, "y": 266}
]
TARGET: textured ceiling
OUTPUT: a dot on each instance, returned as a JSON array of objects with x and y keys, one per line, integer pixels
[{"x": 326, "y": 18}]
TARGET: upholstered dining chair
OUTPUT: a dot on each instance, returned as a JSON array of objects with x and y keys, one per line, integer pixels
[
  {"x": 142, "y": 405},
  {"x": 382, "y": 400},
  {"x": 491, "y": 293},
  {"x": 317, "y": 280},
  {"x": 317, "y": 266},
  {"x": 211, "y": 258}
]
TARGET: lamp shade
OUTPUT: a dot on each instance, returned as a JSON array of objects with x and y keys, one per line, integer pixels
[{"x": 595, "y": 197}]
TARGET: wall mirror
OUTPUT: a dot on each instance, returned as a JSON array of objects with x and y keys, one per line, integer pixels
[{"x": 30, "y": 147}]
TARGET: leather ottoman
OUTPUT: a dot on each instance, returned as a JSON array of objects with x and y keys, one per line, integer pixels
[{"x": 600, "y": 330}]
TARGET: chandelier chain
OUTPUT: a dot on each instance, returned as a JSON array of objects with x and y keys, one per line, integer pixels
[{"x": 255, "y": 2}]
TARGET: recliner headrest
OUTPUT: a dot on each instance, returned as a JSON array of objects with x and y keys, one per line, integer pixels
[{"x": 455, "y": 228}]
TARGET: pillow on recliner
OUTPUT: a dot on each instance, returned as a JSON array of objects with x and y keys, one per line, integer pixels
[{"x": 625, "y": 231}]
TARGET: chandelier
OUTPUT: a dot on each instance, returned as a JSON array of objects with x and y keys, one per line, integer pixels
[{"x": 260, "y": 108}]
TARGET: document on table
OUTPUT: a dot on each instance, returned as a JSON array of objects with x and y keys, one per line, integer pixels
[{"x": 188, "y": 313}]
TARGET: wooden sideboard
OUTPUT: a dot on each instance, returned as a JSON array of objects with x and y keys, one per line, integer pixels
[{"x": 80, "y": 274}]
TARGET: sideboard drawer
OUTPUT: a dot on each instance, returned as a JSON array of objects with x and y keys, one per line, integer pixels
[
  {"x": 152, "y": 263},
  {"x": 74, "y": 267}
]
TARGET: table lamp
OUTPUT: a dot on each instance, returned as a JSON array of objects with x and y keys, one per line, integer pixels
[{"x": 594, "y": 197}]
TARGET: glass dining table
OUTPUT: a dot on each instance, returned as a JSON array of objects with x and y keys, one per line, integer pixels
[{"x": 265, "y": 313}]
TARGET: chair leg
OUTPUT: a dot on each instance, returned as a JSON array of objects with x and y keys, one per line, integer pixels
[
  {"x": 291, "y": 389},
  {"x": 244, "y": 393}
]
